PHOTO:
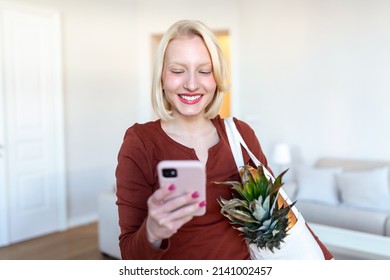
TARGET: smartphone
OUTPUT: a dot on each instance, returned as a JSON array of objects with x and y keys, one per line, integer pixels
[{"x": 188, "y": 176}]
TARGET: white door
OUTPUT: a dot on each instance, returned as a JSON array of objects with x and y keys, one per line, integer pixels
[{"x": 32, "y": 154}]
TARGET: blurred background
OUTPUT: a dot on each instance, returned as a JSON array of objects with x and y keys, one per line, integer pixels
[{"x": 311, "y": 74}]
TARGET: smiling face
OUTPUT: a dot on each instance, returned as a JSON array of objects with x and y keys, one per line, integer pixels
[{"x": 187, "y": 76}]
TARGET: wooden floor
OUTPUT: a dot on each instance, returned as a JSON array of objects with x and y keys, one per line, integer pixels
[{"x": 79, "y": 243}]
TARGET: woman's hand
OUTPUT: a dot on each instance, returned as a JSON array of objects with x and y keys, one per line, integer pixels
[{"x": 166, "y": 215}]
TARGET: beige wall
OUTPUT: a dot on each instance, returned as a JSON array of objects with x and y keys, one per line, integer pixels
[{"x": 313, "y": 74}]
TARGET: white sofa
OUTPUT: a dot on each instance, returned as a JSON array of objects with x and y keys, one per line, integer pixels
[
  {"x": 360, "y": 199},
  {"x": 108, "y": 227}
]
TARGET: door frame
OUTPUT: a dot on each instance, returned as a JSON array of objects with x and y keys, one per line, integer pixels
[
  {"x": 61, "y": 200},
  {"x": 4, "y": 226}
]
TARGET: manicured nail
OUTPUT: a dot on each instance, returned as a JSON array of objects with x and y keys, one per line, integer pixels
[
  {"x": 171, "y": 187},
  {"x": 195, "y": 195},
  {"x": 202, "y": 203}
]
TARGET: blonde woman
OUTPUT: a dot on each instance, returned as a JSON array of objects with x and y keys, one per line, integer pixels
[{"x": 190, "y": 79}]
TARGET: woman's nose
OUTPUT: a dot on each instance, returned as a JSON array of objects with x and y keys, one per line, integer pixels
[{"x": 191, "y": 84}]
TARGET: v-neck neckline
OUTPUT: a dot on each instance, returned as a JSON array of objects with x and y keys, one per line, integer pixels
[{"x": 189, "y": 150}]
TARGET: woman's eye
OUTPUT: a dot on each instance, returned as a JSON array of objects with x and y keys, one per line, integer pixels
[
  {"x": 174, "y": 71},
  {"x": 206, "y": 72}
]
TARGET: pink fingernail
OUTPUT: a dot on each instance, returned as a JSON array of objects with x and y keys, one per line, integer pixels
[
  {"x": 195, "y": 195},
  {"x": 171, "y": 187},
  {"x": 202, "y": 204}
]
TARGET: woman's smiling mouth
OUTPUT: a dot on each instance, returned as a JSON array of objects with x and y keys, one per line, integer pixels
[{"x": 190, "y": 98}]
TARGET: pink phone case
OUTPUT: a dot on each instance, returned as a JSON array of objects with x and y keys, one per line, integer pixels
[{"x": 188, "y": 176}]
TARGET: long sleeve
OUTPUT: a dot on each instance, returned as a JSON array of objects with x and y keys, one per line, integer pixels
[{"x": 134, "y": 186}]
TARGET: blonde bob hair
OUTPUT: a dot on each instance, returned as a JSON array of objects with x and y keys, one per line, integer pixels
[{"x": 160, "y": 104}]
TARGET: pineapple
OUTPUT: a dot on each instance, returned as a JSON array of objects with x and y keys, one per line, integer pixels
[{"x": 260, "y": 212}]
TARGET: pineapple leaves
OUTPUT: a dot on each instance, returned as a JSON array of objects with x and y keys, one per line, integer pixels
[
  {"x": 255, "y": 208},
  {"x": 278, "y": 179},
  {"x": 277, "y": 184}
]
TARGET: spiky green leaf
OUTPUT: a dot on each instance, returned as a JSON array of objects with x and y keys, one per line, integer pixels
[{"x": 254, "y": 209}]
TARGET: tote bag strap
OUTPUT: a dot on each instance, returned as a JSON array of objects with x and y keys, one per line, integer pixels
[{"x": 236, "y": 141}]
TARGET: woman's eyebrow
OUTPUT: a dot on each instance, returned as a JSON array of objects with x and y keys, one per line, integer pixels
[{"x": 185, "y": 64}]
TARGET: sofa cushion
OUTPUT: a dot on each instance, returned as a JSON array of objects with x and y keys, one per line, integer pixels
[
  {"x": 317, "y": 184},
  {"x": 344, "y": 217},
  {"x": 365, "y": 188}
]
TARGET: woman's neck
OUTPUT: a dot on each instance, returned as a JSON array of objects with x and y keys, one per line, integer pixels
[
  {"x": 198, "y": 134},
  {"x": 187, "y": 126}
]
